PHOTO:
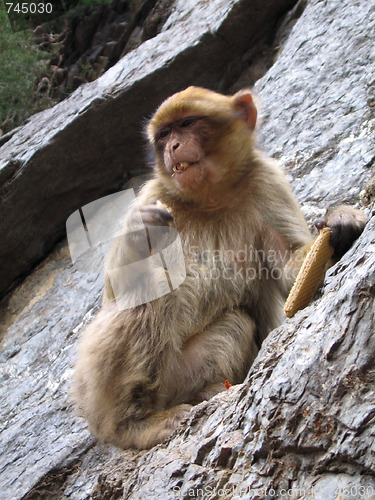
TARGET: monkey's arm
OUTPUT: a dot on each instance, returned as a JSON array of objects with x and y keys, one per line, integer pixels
[
  {"x": 287, "y": 237},
  {"x": 285, "y": 217},
  {"x": 345, "y": 223},
  {"x": 130, "y": 247}
]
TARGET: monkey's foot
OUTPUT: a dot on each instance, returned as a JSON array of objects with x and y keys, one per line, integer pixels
[
  {"x": 152, "y": 430},
  {"x": 207, "y": 393}
]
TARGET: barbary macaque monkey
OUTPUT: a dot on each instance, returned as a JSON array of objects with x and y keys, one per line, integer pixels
[{"x": 244, "y": 237}]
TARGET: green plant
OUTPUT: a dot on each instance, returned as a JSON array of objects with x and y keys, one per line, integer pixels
[{"x": 21, "y": 64}]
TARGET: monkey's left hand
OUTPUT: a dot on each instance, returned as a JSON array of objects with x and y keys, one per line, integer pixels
[{"x": 346, "y": 224}]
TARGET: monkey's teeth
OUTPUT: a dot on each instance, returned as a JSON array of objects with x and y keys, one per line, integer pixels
[{"x": 180, "y": 166}]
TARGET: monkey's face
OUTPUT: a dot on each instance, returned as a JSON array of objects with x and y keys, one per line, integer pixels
[
  {"x": 183, "y": 148},
  {"x": 200, "y": 137}
]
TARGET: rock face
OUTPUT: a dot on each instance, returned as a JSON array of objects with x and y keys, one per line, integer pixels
[
  {"x": 303, "y": 422},
  {"x": 89, "y": 40}
]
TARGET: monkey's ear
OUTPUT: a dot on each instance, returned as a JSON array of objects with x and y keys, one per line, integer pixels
[{"x": 244, "y": 102}]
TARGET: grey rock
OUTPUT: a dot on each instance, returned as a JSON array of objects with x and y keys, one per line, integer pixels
[{"x": 326, "y": 133}]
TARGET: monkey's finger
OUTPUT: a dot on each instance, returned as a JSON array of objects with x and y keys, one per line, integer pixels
[
  {"x": 320, "y": 223},
  {"x": 160, "y": 204},
  {"x": 157, "y": 212}
]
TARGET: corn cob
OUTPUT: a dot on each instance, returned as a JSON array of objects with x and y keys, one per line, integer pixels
[{"x": 310, "y": 275}]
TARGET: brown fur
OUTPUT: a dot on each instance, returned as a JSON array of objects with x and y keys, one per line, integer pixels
[{"x": 139, "y": 370}]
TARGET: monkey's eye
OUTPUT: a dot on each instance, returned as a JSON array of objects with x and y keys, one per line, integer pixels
[
  {"x": 163, "y": 133},
  {"x": 188, "y": 122}
]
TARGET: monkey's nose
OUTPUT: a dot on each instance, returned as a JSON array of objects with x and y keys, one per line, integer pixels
[{"x": 175, "y": 146}]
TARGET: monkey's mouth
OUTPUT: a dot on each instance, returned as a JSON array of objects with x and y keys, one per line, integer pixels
[{"x": 181, "y": 166}]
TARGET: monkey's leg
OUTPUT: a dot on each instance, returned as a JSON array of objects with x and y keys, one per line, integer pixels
[
  {"x": 225, "y": 350},
  {"x": 118, "y": 381},
  {"x": 124, "y": 389}
]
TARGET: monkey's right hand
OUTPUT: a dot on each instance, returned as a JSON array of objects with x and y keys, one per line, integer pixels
[
  {"x": 146, "y": 232},
  {"x": 155, "y": 218},
  {"x": 155, "y": 214}
]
